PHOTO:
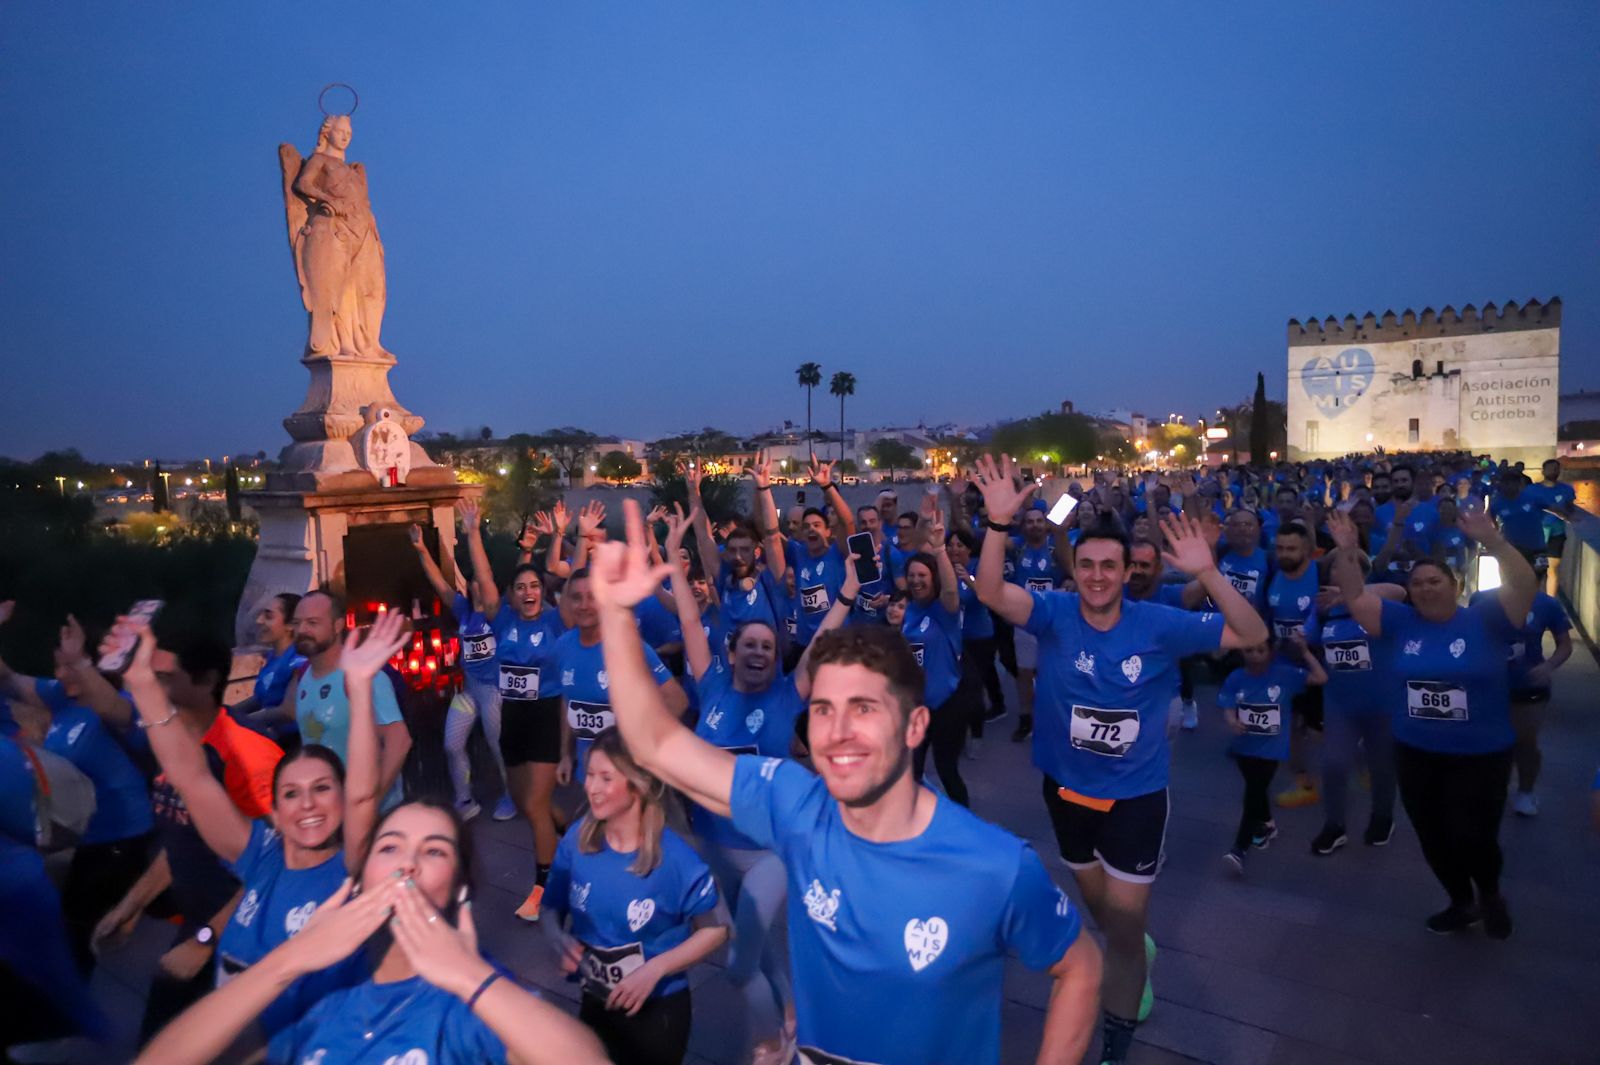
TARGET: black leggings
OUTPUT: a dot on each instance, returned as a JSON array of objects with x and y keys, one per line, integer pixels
[
  {"x": 979, "y": 673},
  {"x": 1455, "y": 802},
  {"x": 1258, "y": 774},
  {"x": 1005, "y": 643},
  {"x": 657, "y": 1035},
  {"x": 947, "y": 734}
]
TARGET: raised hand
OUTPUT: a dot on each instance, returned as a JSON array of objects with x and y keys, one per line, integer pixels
[
  {"x": 542, "y": 524},
  {"x": 340, "y": 926},
  {"x": 414, "y": 534},
  {"x": 1345, "y": 535},
  {"x": 527, "y": 537},
  {"x": 139, "y": 674},
  {"x": 1478, "y": 525},
  {"x": 678, "y": 525},
  {"x": 591, "y": 519},
  {"x": 1001, "y": 496},
  {"x": 443, "y": 954},
  {"x": 72, "y": 640},
  {"x": 363, "y": 659},
  {"x": 850, "y": 587},
  {"x": 1187, "y": 550},
  {"x": 692, "y": 475},
  {"x": 561, "y": 516},
  {"x": 468, "y": 509},
  {"x": 821, "y": 472},
  {"x": 761, "y": 470},
  {"x": 657, "y": 513},
  {"x": 622, "y": 574},
  {"x": 932, "y": 524}
]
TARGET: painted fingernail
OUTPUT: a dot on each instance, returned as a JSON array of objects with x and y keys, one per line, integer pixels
[{"x": 410, "y": 883}]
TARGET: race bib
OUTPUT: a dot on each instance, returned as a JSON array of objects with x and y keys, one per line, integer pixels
[
  {"x": 519, "y": 682},
  {"x": 814, "y": 600},
  {"x": 1106, "y": 732},
  {"x": 1283, "y": 630},
  {"x": 588, "y": 720},
  {"x": 814, "y": 1056},
  {"x": 478, "y": 648},
  {"x": 228, "y": 967},
  {"x": 791, "y": 626},
  {"x": 1243, "y": 583},
  {"x": 603, "y": 968},
  {"x": 1434, "y": 700},
  {"x": 1040, "y": 584},
  {"x": 1260, "y": 719},
  {"x": 746, "y": 749},
  {"x": 1346, "y": 656},
  {"x": 917, "y": 652}
]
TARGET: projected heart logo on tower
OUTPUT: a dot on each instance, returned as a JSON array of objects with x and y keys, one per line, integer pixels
[{"x": 1334, "y": 383}]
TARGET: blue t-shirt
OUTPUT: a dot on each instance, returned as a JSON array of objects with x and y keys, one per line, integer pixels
[
  {"x": 1446, "y": 683},
  {"x": 1527, "y": 649},
  {"x": 525, "y": 653},
  {"x": 1418, "y": 533},
  {"x": 587, "y": 691},
  {"x": 1560, "y": 497},
  {"x": 624, "y": 919},
  {"x": 765, "y": 600},
  {"x": 272, "y": 683},
  {"x": 322, "y": 709},
  {"x": 1036, "y": 569},
  {"x": 1292, "y": 605},
  {"x": 898, "y": 949},
  {"x": 121, "y": 798},
  {"x": 1454, "y": 545},
  {"x": 406, "y": 1022},
  {"x": 1262, "y": 702},
  {"x": 477, "y": 641},
  {"x": 277, "y": 903},
  {"x": 816, "y": 585},
  {"x": 891, "y": 563},
  {"x": 19, "y": 820},
  {"x": 934, "y": 633},
  {"x": 1248, "y": 574},
  {"x": 1356, "y": 676},
  {"x": 976, "y": 621},
  {"x": 745, "y": 723},
  {"x": 1522, "y": 519},
  {"x": 658, "y": 626},
  {"x": 1100, "y": 714}
]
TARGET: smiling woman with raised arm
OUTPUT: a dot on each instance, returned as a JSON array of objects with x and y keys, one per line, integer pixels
[
  {"x": 319, "y": 828},
  {"x": 1448, "y": 692},
  {"x": 907, "y": 897}
]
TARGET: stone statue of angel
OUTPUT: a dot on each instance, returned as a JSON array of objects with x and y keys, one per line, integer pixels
[{"x": 334, "y": 238}]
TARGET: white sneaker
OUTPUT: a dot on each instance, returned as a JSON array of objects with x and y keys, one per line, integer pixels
[
  {"x": 468, "y": 810},
  {"x": 1191, "y": 715},
  {"x": 1526, "y": 804}
]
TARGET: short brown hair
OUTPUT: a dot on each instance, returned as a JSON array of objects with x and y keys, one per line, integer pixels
[{"x": 880, "y": 649}]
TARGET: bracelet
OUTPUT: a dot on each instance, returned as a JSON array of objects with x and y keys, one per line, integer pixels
[
  {"x": 476, "y": 995},
  {"x": 997, "y": 527},
  {"x": 847, "y": 600},
  {"x": 157, "y": 724}
]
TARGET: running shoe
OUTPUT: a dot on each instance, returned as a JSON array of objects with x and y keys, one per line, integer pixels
[
  {"x": 1235, "y": 861},
  {"x": 1024, "y": 728},
  {"x": 1456, "y": 919},
  {"x": 1526, "y": 804},
  {"x": 468, "y": 810},
  {"x": 781, "y": 1052},
  {"x": 1304, "y": 793},
  {"x": 1191, "y": 715},
  {"x": 1496, "y": 918},
  {"x": 1263, "y": 839},
  {"x": 1147, "y": 1001},
  {"x": 1330, "y": 839},
  {"x": 529, "y": 910},
  {"x": 505, "y": 809},
  {"x": 1380, "y": 830}
]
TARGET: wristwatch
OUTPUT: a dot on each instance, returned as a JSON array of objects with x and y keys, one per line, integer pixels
[{"x": 205, "y": 936}]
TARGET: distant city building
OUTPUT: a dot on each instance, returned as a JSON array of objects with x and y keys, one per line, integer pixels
[{"x": 1482, "y": 382}]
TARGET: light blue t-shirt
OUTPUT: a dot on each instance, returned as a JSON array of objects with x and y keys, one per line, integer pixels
[
  {"x": 977, "y": 623},
  {"x": 817, "y": 581},
  {"x": 1522, "y": 519},
  {"x": 1356, "y": 677},
  {"x": 624, "y": 919},
  {"x": 744, "y": 723},
  {"x": 1447, "y": 686},
  {"x": 406, "y": 1022},
  {"x": 1292, "y": 605},
  {"x": 1248, "y": 574},
  {"x": 1262, "y": 702},
  {"x": 586, "y": 690},
  {"x": 1036, "y": 569},
  {"x": 277, "y": 903},
  {"x": 1102, "y": 699},
  {"x": 898, "y": 949},
  {"x": 763, "y": 601},
  {"x": 934, "y": 634},
  {"x": 322, "y": 709}
]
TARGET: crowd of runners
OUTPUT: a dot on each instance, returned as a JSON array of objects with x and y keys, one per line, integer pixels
[{"x": 719, "y": 738}]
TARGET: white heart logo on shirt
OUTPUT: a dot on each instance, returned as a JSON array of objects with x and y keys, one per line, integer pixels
[
  {"x": 1303, "y": 602},
  {"x": 1457, "y": 648},
  {"x": 924, "y": 626},
  {"x": 605, "y": 682},
  {"x": 639, "y": 913},
  {"x": 755, "y": 719},
  {"x": 1272, "y": 692},
  {"x": 538, "y": 638},
  {"x": 579, "y": 896},
  {"x": 925, "y": 941},
  {"x": 1131, "y": 668},
  {"x": 750, "y": 597}
]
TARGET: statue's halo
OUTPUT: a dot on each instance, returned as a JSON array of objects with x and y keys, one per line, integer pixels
[{"x": 355, "y": 99}]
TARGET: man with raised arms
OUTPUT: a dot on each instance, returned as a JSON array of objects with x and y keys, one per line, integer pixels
[
  {"x": 1107, "y": 669},
  {"x": 902, "y": 906}
]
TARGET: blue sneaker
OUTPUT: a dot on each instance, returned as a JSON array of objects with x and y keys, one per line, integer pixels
[{"x": 505, "y": 809}]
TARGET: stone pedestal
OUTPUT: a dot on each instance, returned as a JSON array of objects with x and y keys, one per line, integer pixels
[{"x": 303, "y": 533}]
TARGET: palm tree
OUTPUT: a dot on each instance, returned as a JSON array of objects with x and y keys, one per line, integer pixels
[
  {"x": 810, "y": 375},
  {"x": 842, "y": 385}
]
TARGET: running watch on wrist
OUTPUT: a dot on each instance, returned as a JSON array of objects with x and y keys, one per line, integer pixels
[{"x": 205, "y": 936}]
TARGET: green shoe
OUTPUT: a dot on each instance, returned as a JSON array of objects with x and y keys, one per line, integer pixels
[{"x": 1148, "y": 1001}]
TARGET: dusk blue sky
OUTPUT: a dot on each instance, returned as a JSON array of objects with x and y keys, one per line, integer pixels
[{"x": 640, "y": 217}]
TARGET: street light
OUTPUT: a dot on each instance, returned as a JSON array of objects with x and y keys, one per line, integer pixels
[
  {"x": 503, "y": 471},
  {"x": 61, "y": 482}
]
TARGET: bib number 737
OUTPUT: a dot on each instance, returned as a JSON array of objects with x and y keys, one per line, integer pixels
[{"x": 1110, "y": 733}]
